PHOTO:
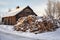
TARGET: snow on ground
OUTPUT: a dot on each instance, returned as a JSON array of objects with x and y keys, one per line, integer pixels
[{"x": 7, "y": 33}]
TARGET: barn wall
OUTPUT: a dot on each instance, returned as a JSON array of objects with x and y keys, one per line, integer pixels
[{"x": 9, "y": 20}]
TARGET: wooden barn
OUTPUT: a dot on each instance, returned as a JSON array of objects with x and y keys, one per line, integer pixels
[{"x": 13, "y": 16}]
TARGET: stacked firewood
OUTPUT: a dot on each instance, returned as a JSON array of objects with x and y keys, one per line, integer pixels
[
  {"x": 29, "y": 23},
  {"x": 41, "y": 26}
]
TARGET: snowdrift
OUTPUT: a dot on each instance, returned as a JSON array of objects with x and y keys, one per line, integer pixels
[{"x": 10, "y": 34}]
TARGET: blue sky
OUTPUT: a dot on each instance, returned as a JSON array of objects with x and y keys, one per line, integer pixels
[{"x": 37, "y": 5}]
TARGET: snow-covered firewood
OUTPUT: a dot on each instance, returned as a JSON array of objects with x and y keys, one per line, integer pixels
[{"x": 35, "y": 25}]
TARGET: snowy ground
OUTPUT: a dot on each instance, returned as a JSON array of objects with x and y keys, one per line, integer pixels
[{"x": 7, "y": 33}]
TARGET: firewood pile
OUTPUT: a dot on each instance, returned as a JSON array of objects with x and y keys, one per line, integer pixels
[{"x": 31, "y": 24}]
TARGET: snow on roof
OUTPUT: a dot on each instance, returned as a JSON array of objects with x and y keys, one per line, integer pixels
[{"x": 13, "y": 12}]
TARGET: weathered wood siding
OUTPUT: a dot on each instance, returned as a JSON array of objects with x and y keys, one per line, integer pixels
[{"x": 9, "y": 20}]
